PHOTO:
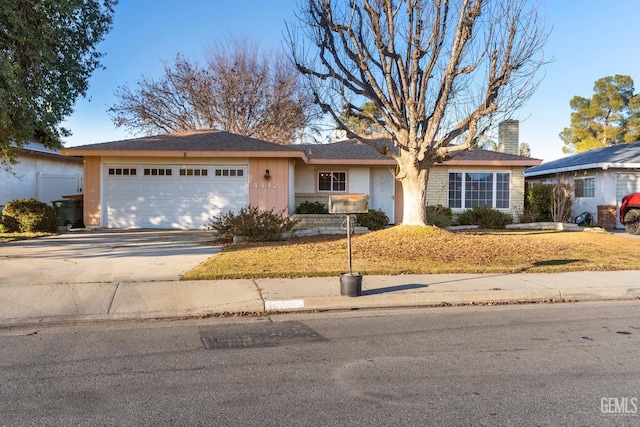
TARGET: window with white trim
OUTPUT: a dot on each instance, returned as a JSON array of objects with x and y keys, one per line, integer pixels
[
  {"x": 332, "y": 181},
  {"x": 585, "y": 187},
  {"x": 470, "y": 189}
]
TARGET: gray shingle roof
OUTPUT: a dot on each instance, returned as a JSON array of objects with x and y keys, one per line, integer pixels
[
  {"x": 625, "y": 155},
  {"x": 347, "y": 150},
  {"x": 204, "y": 140},
  {"x": 480, "y": 154},
  {"x": 220, "y": 141},
  {"x": 352, "y": 149}
]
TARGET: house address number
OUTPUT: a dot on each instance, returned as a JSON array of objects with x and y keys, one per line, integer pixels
[{"x": 263, "y": 185}]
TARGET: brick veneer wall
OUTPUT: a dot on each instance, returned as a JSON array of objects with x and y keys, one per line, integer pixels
[
  {"x": 312, "y": 197},
  {"x": 319, "y": 220},
  {"x": 508, "y": 136},
  {"x": 607, "y": 216}
]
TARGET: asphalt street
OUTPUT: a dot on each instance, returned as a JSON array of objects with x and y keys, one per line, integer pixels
[{"x": 526, "y": 365}]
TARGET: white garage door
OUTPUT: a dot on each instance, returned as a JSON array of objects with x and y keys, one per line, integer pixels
[
  {"x": 166, "y": 196},
  {"x": 626, "y": 183}
]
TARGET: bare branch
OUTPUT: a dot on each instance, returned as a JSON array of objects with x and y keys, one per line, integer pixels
[
  {"x": 238, "y": 90},
  {"x": 439, "y": 72}
]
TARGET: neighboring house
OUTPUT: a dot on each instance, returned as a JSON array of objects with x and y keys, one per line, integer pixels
[
  {"x": 42, "y": 174},
  {"x": 183, "y": 180},
  {"x": 599, "y": 178}
]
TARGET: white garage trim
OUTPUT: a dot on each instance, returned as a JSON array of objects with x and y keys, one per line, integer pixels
[{"x": 170, "y": 196}]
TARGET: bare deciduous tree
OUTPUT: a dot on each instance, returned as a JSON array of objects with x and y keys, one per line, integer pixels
[
  {"x": 561, "y": 200},
  {"x": 239, "y": 90},
  {"x": 438, "y": 72}
]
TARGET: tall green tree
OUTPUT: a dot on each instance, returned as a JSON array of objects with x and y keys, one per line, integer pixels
[
  {"x": 352, "y": 118},
  {"x": 47, "y": 55},
  {"x": 610, "y": 117}
]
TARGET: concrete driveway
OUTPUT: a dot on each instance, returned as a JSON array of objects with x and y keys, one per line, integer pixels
[{"x": 102, "y": 256}]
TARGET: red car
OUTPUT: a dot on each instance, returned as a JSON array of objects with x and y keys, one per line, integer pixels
[{"x": 630, "y": 213}]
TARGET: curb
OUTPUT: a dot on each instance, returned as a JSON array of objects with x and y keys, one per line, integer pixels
[
  {"x": 424, "y": 299},
  {"x": 259, "y": 305},
  {"x": 596, "y": 294}
]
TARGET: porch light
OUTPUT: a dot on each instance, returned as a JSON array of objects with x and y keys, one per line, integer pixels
[{"x": 267, "y": 175}]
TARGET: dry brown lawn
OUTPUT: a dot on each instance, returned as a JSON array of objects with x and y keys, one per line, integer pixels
[
  {"x": 10, "y": 237},
  {"x": 425, "y": 250}
]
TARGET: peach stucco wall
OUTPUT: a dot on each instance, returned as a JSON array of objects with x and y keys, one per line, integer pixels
[
  {"x": 272, "y": 193},
  {"x": 91, "y": 199},
  {"x": 263, "y": 193}
]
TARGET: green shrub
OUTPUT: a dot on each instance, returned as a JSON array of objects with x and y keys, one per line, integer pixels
[
  {"x": 485, "y": 217},
  {"x": 311, "y": 208},
  {"x": 539, "y": 201},
  {"x": 374, "y": 219},
  {"x": 439, "y": 215},
  {"x": 252, "y": 224},
  {"x": 28, "y": 216}
]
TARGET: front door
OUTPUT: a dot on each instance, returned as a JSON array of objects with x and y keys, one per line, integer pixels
[{"x": 383, "y": 192}]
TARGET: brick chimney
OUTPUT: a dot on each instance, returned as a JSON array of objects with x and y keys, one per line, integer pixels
[{"x": 508, "y": 135}]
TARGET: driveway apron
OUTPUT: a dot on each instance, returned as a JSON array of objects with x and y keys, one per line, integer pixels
[{"x": 103, "y": 256}]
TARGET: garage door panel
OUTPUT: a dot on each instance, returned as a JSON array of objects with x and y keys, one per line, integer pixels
[
  {"x": 122, "y": 187},
  {"x": 626, "y": 183},
  {"x": 173, "y": 200},
  {"x": 158, "y": 189}
]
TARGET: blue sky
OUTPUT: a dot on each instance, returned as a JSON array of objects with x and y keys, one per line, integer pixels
[{"x": 590, "y": 39}]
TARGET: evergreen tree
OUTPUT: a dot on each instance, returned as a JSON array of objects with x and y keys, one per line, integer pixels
[
  {"x": 47, "y": 55},
  {"x": 610, "y": 117}
]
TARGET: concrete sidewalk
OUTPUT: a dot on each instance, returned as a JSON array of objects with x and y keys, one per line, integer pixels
[{"x": 73, "y": 302}]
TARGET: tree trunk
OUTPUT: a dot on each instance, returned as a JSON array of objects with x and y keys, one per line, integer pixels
[{"x": 413, "y": 176}]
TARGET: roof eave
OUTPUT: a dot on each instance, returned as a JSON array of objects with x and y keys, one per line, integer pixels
[
  {"x": 182, "y": 153},
  {"x": 49, "y": 155},
  {"x": 523, "y": 162},
  {"x": 381, "y": 162},
  {"x": 601, "y": 165}
]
